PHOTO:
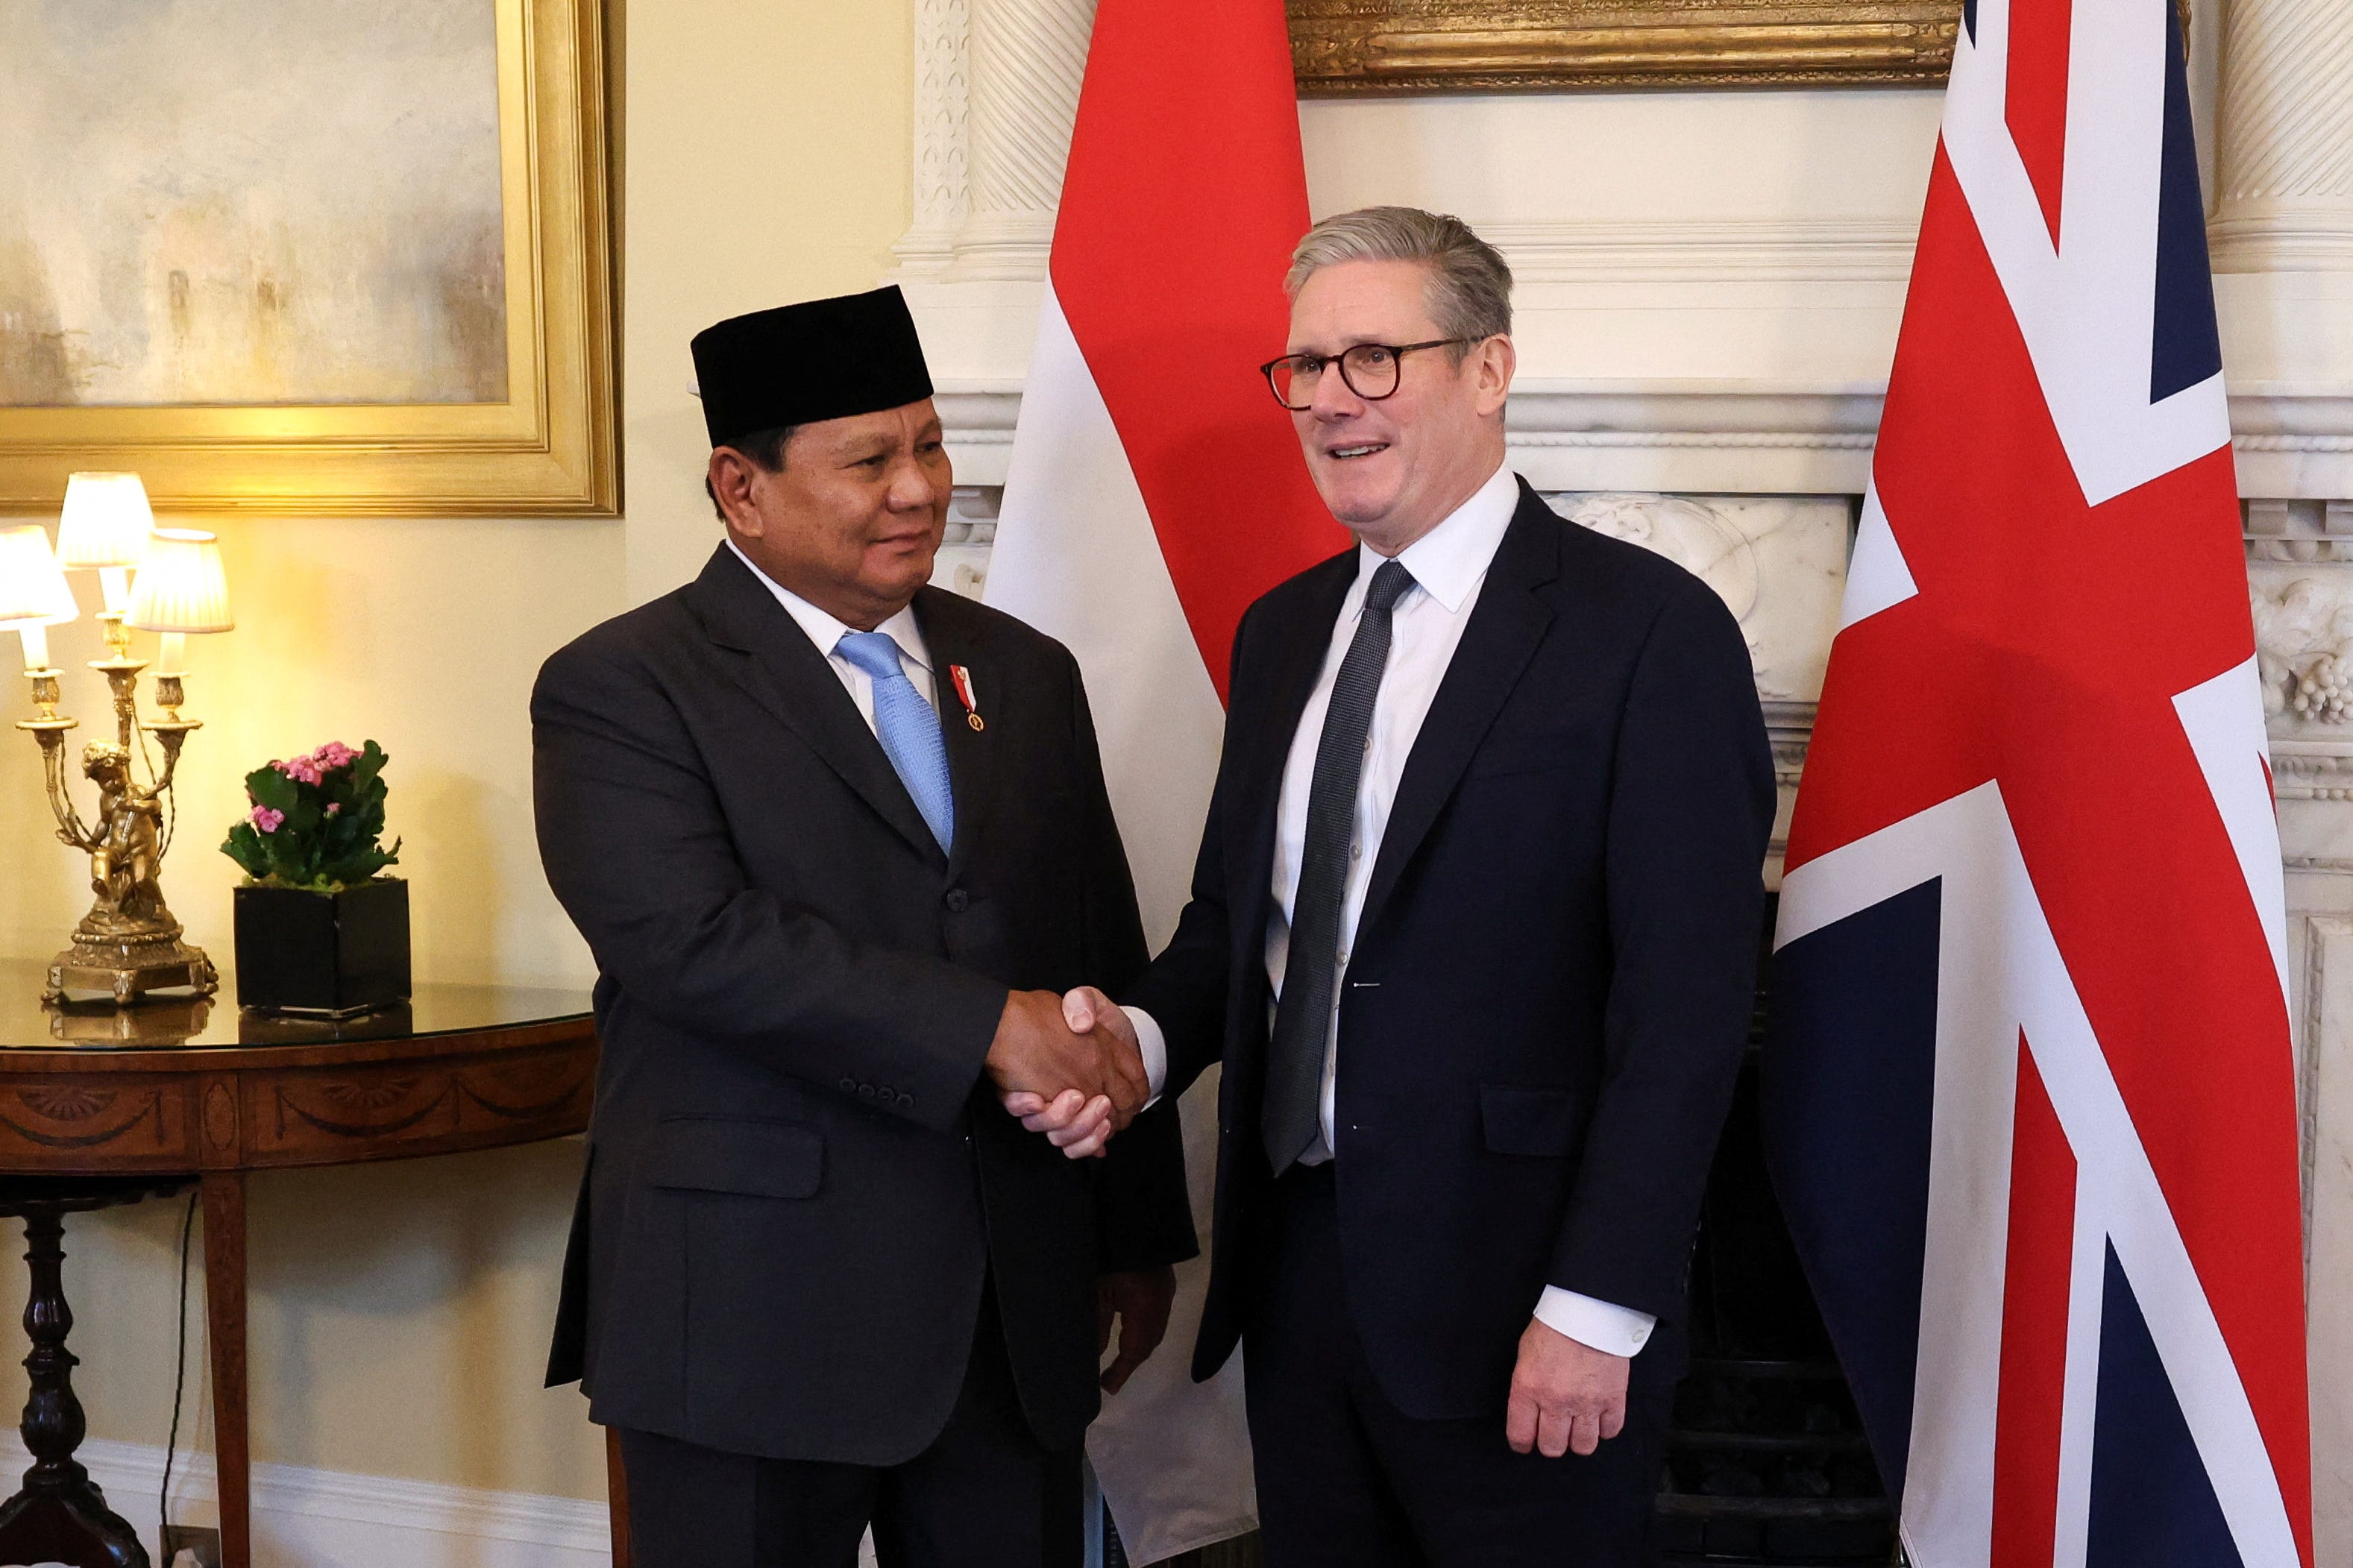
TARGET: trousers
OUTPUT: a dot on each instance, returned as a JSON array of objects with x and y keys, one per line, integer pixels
[
  {"x": 985, "y": 1494},
  {"x": 1348, "y": 1481}
]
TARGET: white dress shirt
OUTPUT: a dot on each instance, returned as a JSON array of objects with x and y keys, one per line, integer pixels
[
  {"x": 1449, "y": 565},
  {"x": 826, "y": 631}
]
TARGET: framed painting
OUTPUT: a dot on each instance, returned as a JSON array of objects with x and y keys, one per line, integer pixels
[
  {"x": 276, "y": 256},
  {"x": 1453, "y": 46}
]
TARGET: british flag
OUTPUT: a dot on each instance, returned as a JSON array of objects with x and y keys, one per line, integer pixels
[{"x": 2029, "y": 1091}]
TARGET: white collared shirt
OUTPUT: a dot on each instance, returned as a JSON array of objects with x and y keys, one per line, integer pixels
[
  {"x": 1449, "y": 565},
  {"x": 826, "y": 631}
]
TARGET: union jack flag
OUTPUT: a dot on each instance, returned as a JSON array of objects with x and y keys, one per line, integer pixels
[{"x": 2029, "y": 1091}]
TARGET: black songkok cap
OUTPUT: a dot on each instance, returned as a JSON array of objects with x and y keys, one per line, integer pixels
[{"x": 824, "y": 359}]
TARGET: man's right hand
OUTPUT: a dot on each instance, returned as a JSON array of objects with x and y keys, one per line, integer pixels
[
  {"x": 1044, "y": 1056},
  {"x": 1073, "y": 1123}
]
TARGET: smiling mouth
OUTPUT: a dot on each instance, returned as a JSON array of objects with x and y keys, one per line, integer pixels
[{"x": 1362, "y": 449}]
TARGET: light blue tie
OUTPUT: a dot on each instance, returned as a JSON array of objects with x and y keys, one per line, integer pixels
[{"x": 909, "y": 728}]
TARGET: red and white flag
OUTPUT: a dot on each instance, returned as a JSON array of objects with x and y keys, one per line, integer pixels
[
  {"x": 2030, "y": 1094},
  {"x": 1155, "y": 490}
]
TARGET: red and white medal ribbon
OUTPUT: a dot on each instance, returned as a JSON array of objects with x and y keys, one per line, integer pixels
[{"x": 961, "y": 679}]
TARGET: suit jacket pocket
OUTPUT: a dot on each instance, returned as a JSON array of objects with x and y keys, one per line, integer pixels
[
  {"x": 1536, "y": 754},
  {"x": 754, "y": 1159},
  {"x": 1530, "y": 1120}
]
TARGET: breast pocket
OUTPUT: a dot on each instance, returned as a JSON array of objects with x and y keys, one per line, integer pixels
[
  {"x": 751, "y": 1158},
  {"x": 1541, "y": 751},
  {"x": 1548, "y": 1122}
]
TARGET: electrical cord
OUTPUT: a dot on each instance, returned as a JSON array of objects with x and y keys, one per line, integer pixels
[{"x": 179, "y": 1389}]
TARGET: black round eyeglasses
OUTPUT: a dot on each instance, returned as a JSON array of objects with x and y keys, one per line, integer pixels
[{"x": 1369, "y": 370}]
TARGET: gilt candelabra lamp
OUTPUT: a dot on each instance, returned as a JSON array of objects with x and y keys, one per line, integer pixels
[{"x": 158, "y": 580}]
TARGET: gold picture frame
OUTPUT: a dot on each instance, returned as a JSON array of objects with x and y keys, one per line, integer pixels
[
  {"x": 550, "y": 448},
  {"x": 1350, "y": 46}
]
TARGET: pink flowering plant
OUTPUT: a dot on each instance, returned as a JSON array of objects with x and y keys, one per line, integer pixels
[{"x": 317, "y": 822}]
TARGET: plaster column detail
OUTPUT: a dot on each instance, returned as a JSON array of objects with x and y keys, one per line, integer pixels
[
  {"x": 1028, "y": 57},
  {"x": 943, "y": 116},
  {"x": 2285, "y": 178}
]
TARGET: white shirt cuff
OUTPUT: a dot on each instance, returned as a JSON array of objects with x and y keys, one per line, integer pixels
[
  {"x": 1598, "y": 1325},
  {"x": 1153, "y": 1045}
]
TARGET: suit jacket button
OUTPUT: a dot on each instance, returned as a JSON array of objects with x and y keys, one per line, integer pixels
[
  {"x": 850, "y": 1086},
  {"x": 958, "y": 901},
  {"x": 866, "y": 1089},
  {"x": 906, "y": 1103}
]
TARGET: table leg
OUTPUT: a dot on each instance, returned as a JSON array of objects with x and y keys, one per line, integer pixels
[
  {"x": 61, "y": 1515},
  {"x": 224, "y": 1199},
  {"x": 617, "y": 1492}
]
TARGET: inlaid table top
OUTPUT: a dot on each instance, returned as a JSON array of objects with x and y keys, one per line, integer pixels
[{"x": 195, "y": 1084}]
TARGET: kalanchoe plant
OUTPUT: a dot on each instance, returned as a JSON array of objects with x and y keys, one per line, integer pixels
[{"x": 317, "y": 822}]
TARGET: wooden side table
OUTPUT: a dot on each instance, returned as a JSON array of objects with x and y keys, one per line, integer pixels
[{"x": 173, "y": 1090}]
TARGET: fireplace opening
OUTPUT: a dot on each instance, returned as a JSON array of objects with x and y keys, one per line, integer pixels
[{"x": 1765, "y": 1460}]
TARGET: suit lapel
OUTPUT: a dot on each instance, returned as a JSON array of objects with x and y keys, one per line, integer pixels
[
  {"x": 955, "y": 638},
  {"x": 1305, "y": 640},
  {"x": 1507, "y": 626},
  {"x": 786, "y": 674}
]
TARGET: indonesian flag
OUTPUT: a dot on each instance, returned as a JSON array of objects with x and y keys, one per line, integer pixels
[
  {"x": 1155, "y": 488},
  {"x": 2029, "y": 1092}
]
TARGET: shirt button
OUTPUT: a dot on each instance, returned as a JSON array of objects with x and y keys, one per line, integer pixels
[
  {"x": 958, "y": 901},
  {"x": 1343, "y": 955},
  {"x": 1355, "y": 851}
]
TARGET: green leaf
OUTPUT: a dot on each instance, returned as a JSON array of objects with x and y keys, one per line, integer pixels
[
  {"x": 245, "y": 847},
  {"x": 273, "y": 789}
]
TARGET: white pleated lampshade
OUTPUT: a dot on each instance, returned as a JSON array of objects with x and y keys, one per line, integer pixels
[
  {"x": 181, "y": 586},
  {"x": 105, "y": 522},
  {"x": 33, "y": 590}
]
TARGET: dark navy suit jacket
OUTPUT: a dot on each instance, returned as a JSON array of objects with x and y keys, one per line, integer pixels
[{"x": 1550, "y": 984}]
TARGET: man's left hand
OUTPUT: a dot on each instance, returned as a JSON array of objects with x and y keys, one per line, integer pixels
[
  {"x": 1140, "y": 1300},
  {"x": 1564, "y": 1395}
]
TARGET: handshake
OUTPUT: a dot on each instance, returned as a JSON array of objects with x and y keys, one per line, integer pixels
[{"x": 1068, "y": 1068}]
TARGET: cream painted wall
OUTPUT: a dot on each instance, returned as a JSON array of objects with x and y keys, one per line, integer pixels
[
  {"x": 400, "y": 1313},
  {"x": 769, "y": 160}
]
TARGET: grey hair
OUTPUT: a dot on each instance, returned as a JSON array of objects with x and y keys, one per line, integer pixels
[{"x": 1470, "y": 288}]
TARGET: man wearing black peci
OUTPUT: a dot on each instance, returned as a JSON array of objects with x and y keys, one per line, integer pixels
[{"x": 838, "y": 841}]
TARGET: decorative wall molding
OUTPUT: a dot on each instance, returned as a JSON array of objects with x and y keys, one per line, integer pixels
[
  {"x": 1756, "y": 437},
  {"x": 302, "y": 1518},
  {"x": 2281, "y": 236},
  {"x": 1012, "y": 246},
  {"x": 2321, "y": 936},
  {"x": 1706, "y": 251},
  {"x": 943, "y": 109},
  {"x": 2304, "y": 644},
  {"x": 2314, "y": 770}
]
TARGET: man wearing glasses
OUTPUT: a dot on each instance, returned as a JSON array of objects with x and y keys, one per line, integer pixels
[{"x": 1473, "y": 930}]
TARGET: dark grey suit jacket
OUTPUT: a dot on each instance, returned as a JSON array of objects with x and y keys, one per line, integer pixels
[{"x": 799, "y": 1180}]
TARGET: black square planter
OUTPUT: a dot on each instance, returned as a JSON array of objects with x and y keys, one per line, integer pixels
[{"x": 330, "y": 955}]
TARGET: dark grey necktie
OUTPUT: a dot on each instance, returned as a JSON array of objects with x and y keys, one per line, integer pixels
[{"x": 1292, "y": 1116}]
